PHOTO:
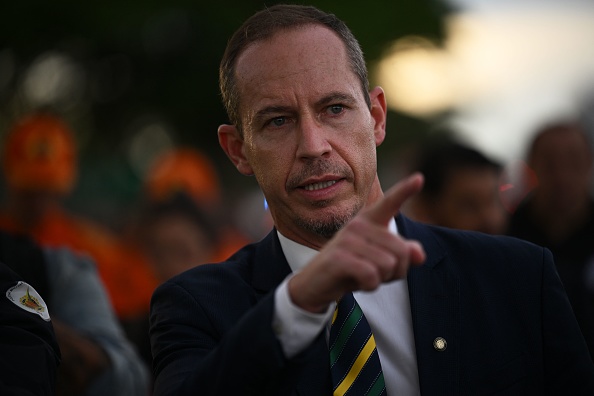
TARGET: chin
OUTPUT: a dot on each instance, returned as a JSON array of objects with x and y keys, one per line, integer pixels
[{"x": 326, "y": 224}]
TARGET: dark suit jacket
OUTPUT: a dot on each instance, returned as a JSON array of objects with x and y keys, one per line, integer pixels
[{"x": 497, "y": 301}]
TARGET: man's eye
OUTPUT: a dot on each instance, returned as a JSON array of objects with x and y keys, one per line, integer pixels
[
  {"x": 336, "y": 109},
  {"x": 278, "y": 121}
]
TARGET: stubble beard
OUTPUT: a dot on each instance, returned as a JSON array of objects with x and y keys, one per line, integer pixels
[{"x": 326, "y": 227}]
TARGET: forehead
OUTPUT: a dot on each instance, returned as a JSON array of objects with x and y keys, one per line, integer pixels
[{"x": 296, "y": 61}]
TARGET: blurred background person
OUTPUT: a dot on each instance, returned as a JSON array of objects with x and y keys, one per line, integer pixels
[
  {"x": 29, "y": 353},
  {"x": 178, "y": 221},
  {"x": 97, "y": 358},
  {"x": 176, "y": 235},
  {"x": 461, "y": 188},
  {"x": 40, "y": 166},
  {"x": 559, "y": 212},
  {"x": 189, "y": 172}
]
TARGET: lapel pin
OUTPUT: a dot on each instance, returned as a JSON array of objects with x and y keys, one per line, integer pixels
[{"x": 440, "y": 344}]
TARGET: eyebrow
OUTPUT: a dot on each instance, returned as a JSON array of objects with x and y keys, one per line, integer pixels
[
  {"x": 332, "y": 97},
  {"x": 336, "y": 97},
  {"x": 267, "y": 111}
]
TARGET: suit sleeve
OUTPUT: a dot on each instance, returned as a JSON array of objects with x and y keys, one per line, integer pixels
[
  {"x": 568, "y": 366},
  {"x": 230, "y": 350}
]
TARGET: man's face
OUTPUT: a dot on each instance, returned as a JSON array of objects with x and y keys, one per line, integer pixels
[
  {"x": 174, "y": 243},
  {"x": 308, "y": 136},
  {"x": 563, "y": 164},
  {"x": 470, "y": 201}
]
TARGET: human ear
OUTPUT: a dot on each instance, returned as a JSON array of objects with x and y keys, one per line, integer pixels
[
  {"x": 233, "y": 145},
  {"x": 378, "y": 113}
]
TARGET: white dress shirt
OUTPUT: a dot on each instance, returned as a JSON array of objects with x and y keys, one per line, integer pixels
[{"x": 387, "y": 310}]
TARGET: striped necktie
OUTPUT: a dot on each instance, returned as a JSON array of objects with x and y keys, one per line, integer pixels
[{"x": 354, "y": 361}]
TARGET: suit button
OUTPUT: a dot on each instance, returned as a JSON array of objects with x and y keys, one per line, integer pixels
[{"x": 440, "y": 344}]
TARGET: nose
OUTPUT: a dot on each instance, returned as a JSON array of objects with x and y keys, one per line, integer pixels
[{"x": 312, "y": 139}]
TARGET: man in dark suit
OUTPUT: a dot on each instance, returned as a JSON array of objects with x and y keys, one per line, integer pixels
[{"x": 452, "y": 312}]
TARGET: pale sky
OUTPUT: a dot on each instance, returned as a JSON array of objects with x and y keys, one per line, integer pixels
[{"x": 507, "y": 66}]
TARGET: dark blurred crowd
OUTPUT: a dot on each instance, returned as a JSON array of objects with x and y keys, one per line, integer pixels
[
  {"x": 549, "y": 203},
  {"x": 97, "y": 283}
]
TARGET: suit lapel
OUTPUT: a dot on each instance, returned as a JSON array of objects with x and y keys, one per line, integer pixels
[
  {"x": 435, "y": 305},
  {"x": 270, "y": 269},
  {"x": 270, "y": 265}
]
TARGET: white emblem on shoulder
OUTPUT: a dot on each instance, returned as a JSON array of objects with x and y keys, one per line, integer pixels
[{"x": 25, "y": 297}]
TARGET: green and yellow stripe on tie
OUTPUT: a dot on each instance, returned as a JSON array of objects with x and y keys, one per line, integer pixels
[{"x": 354, "y": 361}]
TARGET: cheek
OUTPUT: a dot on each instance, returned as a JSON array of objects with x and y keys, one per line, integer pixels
[
  {"x": 363, "y": 148},
  {"x": 270, "y": 167}
]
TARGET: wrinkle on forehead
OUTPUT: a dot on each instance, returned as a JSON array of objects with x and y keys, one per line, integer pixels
[
  {"x": 305, "y": 43},
  {"x": 278, "y": 71}
]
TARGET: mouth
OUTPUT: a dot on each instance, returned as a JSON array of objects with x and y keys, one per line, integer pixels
[{"x": 319, "y": 185}]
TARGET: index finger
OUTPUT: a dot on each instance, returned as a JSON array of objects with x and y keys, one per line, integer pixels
[{"x": 387, "y": 207}]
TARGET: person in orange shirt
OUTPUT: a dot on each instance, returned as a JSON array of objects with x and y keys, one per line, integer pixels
[{"x": 40, "y": 166}]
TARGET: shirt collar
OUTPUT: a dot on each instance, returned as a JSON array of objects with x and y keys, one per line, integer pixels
[{"x": 298, "y": 255}]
